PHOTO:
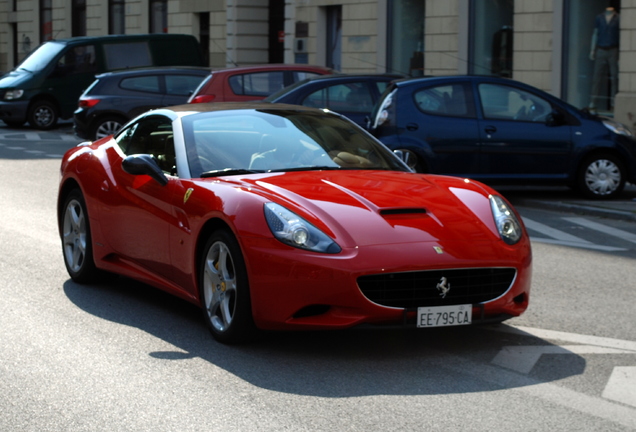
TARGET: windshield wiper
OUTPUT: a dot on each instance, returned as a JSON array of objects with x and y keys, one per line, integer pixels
[{"x": 229, "y": 171}]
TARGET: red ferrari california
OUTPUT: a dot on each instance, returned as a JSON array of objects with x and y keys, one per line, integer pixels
[{"x": 284, "y": 217}]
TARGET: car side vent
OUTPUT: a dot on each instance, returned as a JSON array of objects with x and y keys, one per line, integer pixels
[{"x": 402, "y": 211}]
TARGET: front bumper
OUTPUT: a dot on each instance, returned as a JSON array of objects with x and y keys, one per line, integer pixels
[
  {"x": 14, "y": 111},
  {"x": 291, "y": 289}
]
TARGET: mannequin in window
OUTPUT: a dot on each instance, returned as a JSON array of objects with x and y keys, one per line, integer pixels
[{"x": 604, "y": 53}]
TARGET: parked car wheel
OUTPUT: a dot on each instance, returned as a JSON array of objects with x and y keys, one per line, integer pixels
[
  {"x": 107, "y": 126},
  {"x": 43, "y": 115},
  {"x": 602, "y": 176},
  {"x": 225, "y": 292},
  {"x": 76, "y": 239}
]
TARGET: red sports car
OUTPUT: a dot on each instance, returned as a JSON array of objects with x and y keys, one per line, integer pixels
[{"x": 284, "y": 217}]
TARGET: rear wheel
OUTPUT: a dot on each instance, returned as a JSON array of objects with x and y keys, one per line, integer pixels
[
  {"x": 601, "y": 177},
  {"x": 76, "y": 239},
  {"x": 224, "y": 290},
  {"x": 106, "y": 126},
  {"x": 42, "y": 115}
]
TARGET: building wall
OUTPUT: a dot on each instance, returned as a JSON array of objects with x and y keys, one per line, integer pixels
[
  {"x": 441, "y": 28},
  {"x": 239, "y": 28},
  {"x": 533, "y": 31}
]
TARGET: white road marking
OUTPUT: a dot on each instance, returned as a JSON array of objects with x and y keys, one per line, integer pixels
[
  {"x": 552, "y": 393},
  {"x": 591, "y": 246},
  {"x": 569, "y": 337},
  {"x": 564, "y": 239},
  {"x": 621, "y": 386},
  {"x": 615, "y": 232},
  {"x": 553, "y": 232},
  {"x": 34, "y": 136},
  {"x": 523, "y": 358}
]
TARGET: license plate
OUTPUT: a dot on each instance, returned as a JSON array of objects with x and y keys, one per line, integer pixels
[{"x": 443, "y": 316}]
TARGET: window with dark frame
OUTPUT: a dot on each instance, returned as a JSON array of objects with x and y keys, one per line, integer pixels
[
  {"x": 116, "y": 17},
  {"x": 78, "y": 18},
  {"x": 46, "y": 20},
  {"x": 158, "y": 16}
]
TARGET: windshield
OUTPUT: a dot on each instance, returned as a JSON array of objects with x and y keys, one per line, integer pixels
[
  {"x": 41, "y": 57},
  {"x": 266, "y": 140}
]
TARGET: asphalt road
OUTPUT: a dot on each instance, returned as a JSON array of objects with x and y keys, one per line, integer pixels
[{"x": 121, "y": 356}]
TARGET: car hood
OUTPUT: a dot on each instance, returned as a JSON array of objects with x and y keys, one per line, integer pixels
[
  {"x": 13, "y": 79},
  {"x": 360, "y": 208}
]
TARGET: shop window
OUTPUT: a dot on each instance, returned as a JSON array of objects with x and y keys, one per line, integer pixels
[
  {"x": 491, "y": 43},
  {"x": 158, "y": 16},
  {"x": 78, "y": 18},
  {"x": 334, "y": 37},
  {"x": 406, "y": 37},
  {"x": 46, "y": 20},
  {"x": 590, "y": 62},
  {"x": 116, "y": 17}
]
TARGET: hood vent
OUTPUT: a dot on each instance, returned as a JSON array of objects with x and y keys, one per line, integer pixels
[{"x": 402, "y": 211}]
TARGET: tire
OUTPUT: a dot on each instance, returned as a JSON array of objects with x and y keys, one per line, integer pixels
[
  {"x": 42, "y": 115},
  {"x": 77, "y": 246},
  {"x": 224, "y": 290},
  {"x": 601, "y": 176},
  {"x": 411, "y": 159},
  {"x": 106, "y": 126}
]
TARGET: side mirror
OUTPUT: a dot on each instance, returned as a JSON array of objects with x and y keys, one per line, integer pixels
[
  {"x": 139, "y": 164},
  {"x": 555, "y": 118}
]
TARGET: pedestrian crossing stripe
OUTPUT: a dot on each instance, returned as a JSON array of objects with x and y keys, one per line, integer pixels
[{"x": 562, "y": 238}]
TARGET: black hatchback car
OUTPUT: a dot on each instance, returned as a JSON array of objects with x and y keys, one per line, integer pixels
[
  {"x": 501, "y": 131},
  {"x": 116, "y": 97},
  {"x": 350, "y": 95}
]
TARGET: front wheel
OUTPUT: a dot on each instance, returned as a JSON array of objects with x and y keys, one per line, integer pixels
[
  {"x": 43, "y": 115},
  {"x": 224, "y": 290},
  {"x": 76, "y": 240},
  {"x": 601, "y": 177}
]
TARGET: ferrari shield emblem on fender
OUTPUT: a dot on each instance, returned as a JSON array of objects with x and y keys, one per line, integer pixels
[
  {"x": 186, "y": 197},
  {"x": 438, "y": 249}
]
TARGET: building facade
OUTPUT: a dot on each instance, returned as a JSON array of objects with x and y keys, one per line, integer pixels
[{"x": 583, "y": 51}]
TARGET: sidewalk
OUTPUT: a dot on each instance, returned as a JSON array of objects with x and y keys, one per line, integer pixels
[{"x": 623, "y": 208}]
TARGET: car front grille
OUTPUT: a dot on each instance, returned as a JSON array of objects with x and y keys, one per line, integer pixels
[{"x": 416, "y": 289}]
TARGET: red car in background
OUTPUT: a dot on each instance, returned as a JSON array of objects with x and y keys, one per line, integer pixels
[{"x": 252, "y": 82}]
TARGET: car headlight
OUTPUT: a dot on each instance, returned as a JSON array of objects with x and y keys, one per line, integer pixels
[
  {"x": 507, "y": 224},
  {"x": 617, "y": 128},
  {"x": 13, "y": 94},
  {"x": 295, "y": 231}
]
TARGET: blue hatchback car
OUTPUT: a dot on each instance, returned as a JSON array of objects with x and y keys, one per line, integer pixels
[{"x": 501, "y": 131}]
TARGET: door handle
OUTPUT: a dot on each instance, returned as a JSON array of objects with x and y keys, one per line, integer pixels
[
  {"x": 490, "y": 130},
  {"x": 412, "y": 127}
]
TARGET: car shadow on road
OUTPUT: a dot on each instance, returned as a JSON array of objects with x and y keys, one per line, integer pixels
[{"x": 346, "y": 363}]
